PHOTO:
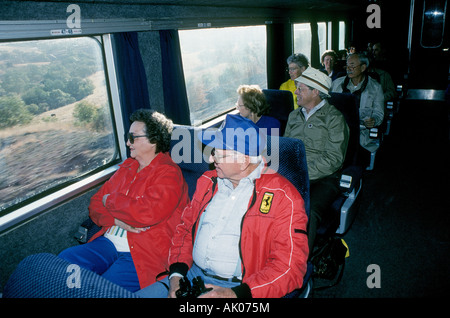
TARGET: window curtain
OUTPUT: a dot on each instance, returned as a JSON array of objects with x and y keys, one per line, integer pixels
[
  {"x": 175, "y": 96},
  {"x": 131, "y": 77}
]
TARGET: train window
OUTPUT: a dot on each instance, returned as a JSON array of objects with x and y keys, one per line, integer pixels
[
  {"x": 322, "y": 32},
  {"x": 216, "y": 62},
  {"x": 302, "y": 39},
  {"x": 56, "y": 124},
  {"x": 433, "y": 22},
  {"x": 341, "y": 35}
]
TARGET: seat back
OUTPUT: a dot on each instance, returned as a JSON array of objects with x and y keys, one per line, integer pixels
[
  {"x": 281, "y": 104},
  {"x": 287, "y": 156},
  {"x": 48, "y": 276},
  {"x": 347, "y": 104},
  {"x": 186, "y": 150}
]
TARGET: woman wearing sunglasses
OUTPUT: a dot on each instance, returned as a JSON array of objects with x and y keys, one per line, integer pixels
[{"x": 137, "y": 209}]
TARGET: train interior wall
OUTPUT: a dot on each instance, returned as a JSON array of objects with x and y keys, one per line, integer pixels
[{"x": 403, "y": 220}]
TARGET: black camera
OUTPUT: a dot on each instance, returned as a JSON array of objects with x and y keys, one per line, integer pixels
[{"x": 188, "y": 290}]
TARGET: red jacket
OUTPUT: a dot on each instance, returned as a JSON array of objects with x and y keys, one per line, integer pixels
[
  {"x": 273, "y": 245},
  {"x": 155, "y": 197}
]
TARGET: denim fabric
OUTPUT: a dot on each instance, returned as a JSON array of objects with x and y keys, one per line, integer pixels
[{"x": 101, "y": 257}]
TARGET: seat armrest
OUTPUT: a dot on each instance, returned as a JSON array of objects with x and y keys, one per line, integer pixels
[{"x": 350, "y": 178}]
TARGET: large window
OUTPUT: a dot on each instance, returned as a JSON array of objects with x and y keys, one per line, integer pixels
[
  {"x": 55, "y": 119},
  {"x": 302, "y": 39},
  {"x": 216, "y": 62},
  {"x": 341, "y": 35}
]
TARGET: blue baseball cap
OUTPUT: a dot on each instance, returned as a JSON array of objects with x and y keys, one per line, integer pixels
[{"x": 236, "y": 133}]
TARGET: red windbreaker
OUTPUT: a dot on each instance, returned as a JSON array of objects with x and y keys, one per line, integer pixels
[
  {"x": 273, "y": 245},
  {"x": 155, "y": 197}
]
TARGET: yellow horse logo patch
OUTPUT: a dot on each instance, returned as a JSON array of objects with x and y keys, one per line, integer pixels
[{"x": 266, "y": 203}]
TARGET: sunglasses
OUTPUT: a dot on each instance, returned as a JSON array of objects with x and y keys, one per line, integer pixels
[{"x": 131, "y": 137}]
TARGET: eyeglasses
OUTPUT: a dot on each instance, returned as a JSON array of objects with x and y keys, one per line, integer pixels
[
  {"x": 304, "y": 89},
  {"x": 131, "y": 137},
  {"x": 351, "y": 68},
  {"x": 292, "y": 69},
  {"x": 218, "y": 158}
]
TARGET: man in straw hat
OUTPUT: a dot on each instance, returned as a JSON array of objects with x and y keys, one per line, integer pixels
[
  {"x": 244, "y": 232},
  {"x": 324, "y": 132}
]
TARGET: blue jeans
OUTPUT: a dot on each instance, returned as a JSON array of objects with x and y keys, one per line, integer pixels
[
  {"x": 101, "y": 257},
  {"x": 159, "y": 289}
]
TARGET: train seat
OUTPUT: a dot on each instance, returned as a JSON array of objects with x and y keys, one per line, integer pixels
[
  {"x": 281, "y": 104},
  {"x": 345, "y": 206},
  {"x": 45, "y": 275}
]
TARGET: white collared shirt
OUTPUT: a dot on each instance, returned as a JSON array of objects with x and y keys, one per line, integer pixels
[
  {"x": 216, "y": 247},
  {"x": 313, "y": 110}
]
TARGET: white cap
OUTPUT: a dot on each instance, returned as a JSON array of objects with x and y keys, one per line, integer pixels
[{"x": 315, "y": 79}]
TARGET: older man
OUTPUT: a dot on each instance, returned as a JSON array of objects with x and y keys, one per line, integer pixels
[
  {"x": 324, "y": 132},
  {"x": 244, "y": 232},
  {"x": 370, "y": 95}
]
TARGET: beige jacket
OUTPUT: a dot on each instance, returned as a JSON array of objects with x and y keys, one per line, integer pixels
[{"x": 325, "y": 136}]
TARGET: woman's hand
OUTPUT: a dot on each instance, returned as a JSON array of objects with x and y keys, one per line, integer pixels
[{"x": 129, "y": 228}]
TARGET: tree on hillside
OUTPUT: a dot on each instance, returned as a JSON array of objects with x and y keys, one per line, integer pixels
[{"x": 13, "y": 111}]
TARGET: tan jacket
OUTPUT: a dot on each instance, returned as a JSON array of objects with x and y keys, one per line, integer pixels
[{"x": 325, "y": 135}]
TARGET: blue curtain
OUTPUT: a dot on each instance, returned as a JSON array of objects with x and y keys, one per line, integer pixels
[
  {"x": 131, "y": 77},
  {"x": 175, "y": 97}
]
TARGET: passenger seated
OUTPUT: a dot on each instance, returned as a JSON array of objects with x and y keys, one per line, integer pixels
[
  {"x": 325, "y": 134},
  {"x": 329, "y": 60},
  {"x": 252, "y": 104},
  {"x": 138, "y": 209},
  {"x": 370, "y": 95},
  {"x": 386, "y": 82},
  {"x": 297, "y": 64},
  {"x": 240, "y": 209}
]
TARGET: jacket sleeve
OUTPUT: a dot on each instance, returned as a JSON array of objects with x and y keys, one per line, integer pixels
[
  {"x": 288, "y": 132},
  {"x": 332, "y": 155},
  {"x": 162, "y": 195},
  {"x": 378, "y": 105},
  {"x": 97, "y": 212},
  {"x": 285, "y": 266}
]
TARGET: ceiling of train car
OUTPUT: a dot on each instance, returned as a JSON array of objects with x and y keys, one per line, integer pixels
[
  {"x": 279, "y": 4},
  {"x": 276, "y": 4}
]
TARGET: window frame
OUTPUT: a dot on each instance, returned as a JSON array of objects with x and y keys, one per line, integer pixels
[{"x": 50, "y": 198}]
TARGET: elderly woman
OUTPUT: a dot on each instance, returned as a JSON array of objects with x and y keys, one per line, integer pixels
[
  {"x": 297, "y": 64},
  {"x": 137, "y": 209},
  {"x": 252, "y": 104},
  {"x": 329, "y": 59}
]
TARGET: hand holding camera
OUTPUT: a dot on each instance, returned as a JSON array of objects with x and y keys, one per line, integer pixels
[{"x": 191, "y": 291}]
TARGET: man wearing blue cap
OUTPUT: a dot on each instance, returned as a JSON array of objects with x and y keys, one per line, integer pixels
[{"x": 244, "y": 231}]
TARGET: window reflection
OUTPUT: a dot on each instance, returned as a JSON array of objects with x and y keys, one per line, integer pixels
[{"x": 433, "y": 22}]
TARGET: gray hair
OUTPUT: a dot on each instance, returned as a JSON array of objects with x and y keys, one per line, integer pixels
[
  {"x": 363, "y": 58},
  {"x": 299, "y": 59}
]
